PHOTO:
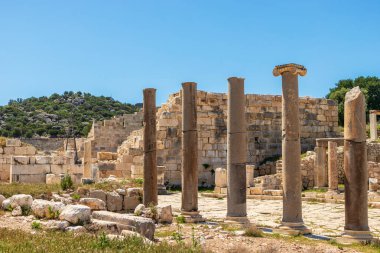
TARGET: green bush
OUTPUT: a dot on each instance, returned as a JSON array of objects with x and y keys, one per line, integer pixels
[{"x": 67, "y": 182}]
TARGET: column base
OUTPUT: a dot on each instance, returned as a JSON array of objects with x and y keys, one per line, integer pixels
[
  {"x": 292, "y": 228},
  {"x": 238, "y": 222},
  {"x": 192, "y": 217},
  {"x": 352, "y": 236}
]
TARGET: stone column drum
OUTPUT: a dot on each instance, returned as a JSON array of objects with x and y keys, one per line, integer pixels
[
  {"x": 320, "y": 167},
  {"x": 236, "y": 151},
  {"x": 150, "y": 156},
  {"x": 355, "y": 169},
  {"x": 373, "y": 125},
  {"x": 292, "y": 222},
  {"x": 189, "y": 206},
  {"x": 332, "y": 166}
]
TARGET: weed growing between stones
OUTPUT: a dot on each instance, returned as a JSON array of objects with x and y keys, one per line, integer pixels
[{"x": 36, "y": 225}]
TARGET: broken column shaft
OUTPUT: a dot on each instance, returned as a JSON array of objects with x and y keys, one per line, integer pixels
[{"x": 355, "y": 168}]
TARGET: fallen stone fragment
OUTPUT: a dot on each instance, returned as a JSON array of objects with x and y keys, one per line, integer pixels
[
  {"x": 165, "y": 214},
  {"x": 144, "y": 226},
  {"x": 76, "y": 214},
  {"x": 46, "y": 209},
  {"x": 17, "y": 211},
  {"x": 21, "y": 200},
  {"x": 114, "y": 202},
  {"x": 76, "y": 229},
  {"x": 99, "y": 194},
  {"x": 93, "y": 203},
  {"x": 139, "y": 209}
]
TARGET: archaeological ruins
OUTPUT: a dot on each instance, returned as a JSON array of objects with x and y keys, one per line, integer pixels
[{"x": 242, "y": 146}]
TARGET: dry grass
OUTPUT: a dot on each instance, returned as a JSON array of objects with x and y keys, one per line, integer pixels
[
  {"x": 36, "y": 190},
  {"x": 57, "y": 242}
]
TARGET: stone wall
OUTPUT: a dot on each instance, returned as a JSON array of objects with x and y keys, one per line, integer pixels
[
  {"x": 45, "y": 144},
  {"x": 12, "y": 147},
  {"x": 318, "y": 118},
  {"x": 108, "y": 135},
  {"x": 33, "y": 169}
]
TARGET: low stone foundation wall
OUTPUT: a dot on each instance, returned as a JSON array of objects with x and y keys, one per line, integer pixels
[
  {"x": 33, "y": 169},
  {"x": 12, "y": 147}
]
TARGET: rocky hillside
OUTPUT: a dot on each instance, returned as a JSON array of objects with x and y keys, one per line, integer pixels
[{"x": 57, "y": 115}]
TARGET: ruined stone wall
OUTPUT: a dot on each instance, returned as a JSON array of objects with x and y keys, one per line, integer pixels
[
  {"x": 12, "y": 147},
  {"x": 108, "y": 135},
  {"x": 318, "y": 118},
  {"x": 45, "y": 144},
  {"x": 33, "y": 169}
]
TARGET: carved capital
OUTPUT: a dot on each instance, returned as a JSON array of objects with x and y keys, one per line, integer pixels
[{"x": 294, "y": 69}]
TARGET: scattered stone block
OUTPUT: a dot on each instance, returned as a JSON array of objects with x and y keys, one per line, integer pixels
[
  {"x": 76, "y": 214},
  {"x": 143, "y": 226},
  {"x": 130, "y": 203},
  {"x": 46, "y": 209},
  {"x": 93, "y": 203},
  {"x": 165, "y": 214},
  {"x": 99, "y": 194},
  {"x": 21, "y": 200},
  {"x": 114, "y": 202}
]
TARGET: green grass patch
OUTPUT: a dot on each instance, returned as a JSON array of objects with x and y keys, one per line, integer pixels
[
  {"x": 36, "y": 190},
  {"x": 318, "y": 190},
  {"x": 58, "y": 242}
]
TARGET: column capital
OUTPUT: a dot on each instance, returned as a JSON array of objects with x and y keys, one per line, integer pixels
[{"x": 293, "y": 68}]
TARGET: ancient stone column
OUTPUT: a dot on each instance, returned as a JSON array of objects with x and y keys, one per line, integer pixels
[
  {"x": 320, "y": 167},
  {"x": 189, "y": 207},
  {"x": 355, "y": 168},
  {"x": 150, "y": 157},
  {"x": 292, "y": 222},
  {"x": 332, "y": 166},
  {"x": 236, "y": 151},
  {"x": 373, "y": 125}
]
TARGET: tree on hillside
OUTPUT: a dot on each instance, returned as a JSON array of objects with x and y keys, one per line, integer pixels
[
  {"x": 52, "y": 116},
  {"x": 370, "y": 86}
]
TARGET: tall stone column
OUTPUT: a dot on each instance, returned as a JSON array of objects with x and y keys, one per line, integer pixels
[
  {"x": 189, "y": 207},
  {"x": 332, "y": 166},
  {"x": 150, "y": 156},
  {"x": 355, "y": 169},
  {"x": 236, "y": 151},
  {"x": 373, "y": 125},
  {"x": 292, "y": 222},
  {"x": 320, "y": 167}
]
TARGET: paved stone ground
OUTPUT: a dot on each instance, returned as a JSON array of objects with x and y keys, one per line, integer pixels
[{"x": 323, "y": 218}]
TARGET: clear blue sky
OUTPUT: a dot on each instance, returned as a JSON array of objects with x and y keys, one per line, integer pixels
[{"x": 117, "y": 48}]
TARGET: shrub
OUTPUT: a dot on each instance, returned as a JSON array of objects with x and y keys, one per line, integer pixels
[
  {"x": 67, "y": 182},
  {"x": 253, "y": 232},
  {"x": 36, "y": 225}
]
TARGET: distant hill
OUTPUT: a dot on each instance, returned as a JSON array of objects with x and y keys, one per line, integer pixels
[{"x": 57, "y": 115}]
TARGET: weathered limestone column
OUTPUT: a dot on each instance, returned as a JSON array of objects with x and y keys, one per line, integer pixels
[
  {"x": 236, "y": 151},
  {"x": 320, "y": 167},
  {"x": 150, "y": 157},
  {"x": 332, "y": 166},
  {"x": 373, "y": 125},
  {"x": 189, "y": 207},
  {"x": 292, "y": 222},
  {"x": 355, "y": 169}
]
